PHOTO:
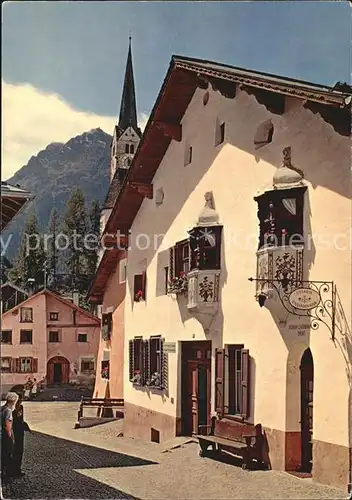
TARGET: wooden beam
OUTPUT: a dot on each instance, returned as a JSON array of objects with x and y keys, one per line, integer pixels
[
  {"x": 145, "y": 190},
  {"x": 173, "y": 130}
]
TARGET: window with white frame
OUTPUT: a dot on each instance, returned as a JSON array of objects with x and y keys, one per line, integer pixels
[
  {"x": 25, "y": 365},
  {"x": 26, "y": 314},
  {"x": 6, "y": 364}
]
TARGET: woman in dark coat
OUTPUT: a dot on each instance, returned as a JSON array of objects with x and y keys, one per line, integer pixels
[{"x": 19, "y": 428}]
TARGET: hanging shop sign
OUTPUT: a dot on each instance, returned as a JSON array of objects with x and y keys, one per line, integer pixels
[{"x": 304, "y": 298}]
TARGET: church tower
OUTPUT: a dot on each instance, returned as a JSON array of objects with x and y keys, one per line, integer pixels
[
  {"x": 125, "y": 140},
  {"x": 126, "y": 133}
]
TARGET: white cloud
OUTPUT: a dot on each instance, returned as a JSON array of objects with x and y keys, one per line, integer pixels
[{"x": 32, "y": 119}]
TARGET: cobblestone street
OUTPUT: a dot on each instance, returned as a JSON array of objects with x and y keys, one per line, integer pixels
[{"x": 62, "y": 462}]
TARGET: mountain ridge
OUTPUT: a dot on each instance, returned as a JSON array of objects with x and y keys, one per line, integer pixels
[{"x": 50, "y": 175}]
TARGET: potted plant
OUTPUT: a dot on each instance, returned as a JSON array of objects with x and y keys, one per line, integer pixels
[
  {"x": 105, "y": 372},
  {"x": 137, "y": 378},
  {"x": 155, "y": 380},
  {"x": 179, "y": 284},
  {"x": 139, "y": 296}
]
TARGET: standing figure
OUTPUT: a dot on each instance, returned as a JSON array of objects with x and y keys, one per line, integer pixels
[
  {"x": 7, "y": 434},
  {"x": 34, "y": 388},
  {"x": 19, "y": 428}
]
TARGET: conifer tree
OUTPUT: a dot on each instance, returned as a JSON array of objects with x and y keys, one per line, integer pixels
[
  {"x": 29, "y": 264},
  {"x": 51, "y": 251},
  {"x": 75, "y": 228},
  {"x": 94, "y": 230}
]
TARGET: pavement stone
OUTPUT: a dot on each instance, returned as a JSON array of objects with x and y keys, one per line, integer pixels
[{"x": 93, "y": 463}]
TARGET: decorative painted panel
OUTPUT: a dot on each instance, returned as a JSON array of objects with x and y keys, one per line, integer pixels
[
  {"x": 278, "y": 264},
  {"x": 203, "y": 289}
]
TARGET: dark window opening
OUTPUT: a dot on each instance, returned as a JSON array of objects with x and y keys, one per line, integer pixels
[
  {"x": 205, "y": 248},
  {"x": 54, "y": 316},
  {"x": 87, "y": 365},
  {"x": 281, "y": 217},
  {"x": 106, "y": 327},
  {"x": 264, "y": 134},
  {"x": 131, "y": 149},
  {"x": 188, "y": 156},
  {"x": 26, "y": 336},
  {"x": 219, "y": 133},
  {"x": 127, "y": 148},
  {"x": 6, "y": 336},
  {"x": 53, "y": 336},
  {"x": 82, "y": 337},
  {"x": 105, "y": 369},
  {"x": 166, "y": 271},
  {"x": 139, "y": 288}
]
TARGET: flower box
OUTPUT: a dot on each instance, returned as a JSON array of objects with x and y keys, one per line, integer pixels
[{"x": 179, "y": 284}]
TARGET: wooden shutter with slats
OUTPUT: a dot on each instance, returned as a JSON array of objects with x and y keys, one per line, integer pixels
[
  {"x": 144, "y": 285},
  {"x": 245, "y": 383},
  {"x": 146, "y": 361},
  {"x": 164, "y": 368},
  {"x": 131, "y": 359},
  {"x": 35, "y": 365},
  {"x": 172, "y": 264},
  {"x": 219, "y": 381}
]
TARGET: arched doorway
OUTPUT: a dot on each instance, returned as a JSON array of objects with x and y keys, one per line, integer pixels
[
  {"x": 58, "y": 370},
  {"x": 307, "y": 382}
]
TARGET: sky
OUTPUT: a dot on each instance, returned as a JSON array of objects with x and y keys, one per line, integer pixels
[{"x": 63, "y": 63}]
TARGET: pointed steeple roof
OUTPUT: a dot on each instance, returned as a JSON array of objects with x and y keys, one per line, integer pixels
[{"x": 128, "y": 109}]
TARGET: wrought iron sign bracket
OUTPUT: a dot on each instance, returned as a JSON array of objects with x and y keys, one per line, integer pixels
[{"x": 315, "y": 300}]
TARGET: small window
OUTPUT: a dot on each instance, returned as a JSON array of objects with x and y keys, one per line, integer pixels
[
  {"x": 6, "y": 336},
  {"x": 105, "y": 369},
  {"x": 6, "y": 365},
  {"x": 26, "y": 315},
  {"x": 132, "y": 149},
  {"x": 87, "y": 365},
  {"x": 219, "y": 133},
  {"x": 106, "y": 326},
  {"x": 25, "y": 365},
  {"x": 26, "y": 336},
  {"x": 127, "y": 148},
  {"x": 166, "y": 271},
  {"x": 155, "y": 356},
  {"x": 136, "y": 361},
  {"x": 139, "y": 291},
  {"x": 264, "y": 134},
  {"x": 54, "y": 336},
  {"x": 54, "y": 316},
  {"x": 188, "y": 155},
  {"x": 82, "y": 337},
  {"x": 123, "y": 271}
]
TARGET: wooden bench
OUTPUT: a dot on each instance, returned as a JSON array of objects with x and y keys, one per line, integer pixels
[
  {"x": 242, "y": 439},
  {"x": 104, "y": 405}
]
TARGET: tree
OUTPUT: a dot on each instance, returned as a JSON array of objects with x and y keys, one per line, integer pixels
[
  {"x": 51, "y": 250},
  {"x": 29, "y": 264},
  {"x": 75, "y": 228},
  {"x": 94, "y": 231}
]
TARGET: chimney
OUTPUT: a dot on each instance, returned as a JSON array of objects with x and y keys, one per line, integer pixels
[
  {"x": 31, "y": 285},
  {"x": 75, "y": 297}
]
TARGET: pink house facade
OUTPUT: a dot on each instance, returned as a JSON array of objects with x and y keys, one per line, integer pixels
[{"x": 48, "y": 336}]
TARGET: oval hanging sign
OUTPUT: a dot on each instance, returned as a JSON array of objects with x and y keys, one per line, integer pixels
[{"x": 304, "y": 298}]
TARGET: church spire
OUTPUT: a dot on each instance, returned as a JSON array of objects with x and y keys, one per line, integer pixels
[{"x": 128, "y": 111}]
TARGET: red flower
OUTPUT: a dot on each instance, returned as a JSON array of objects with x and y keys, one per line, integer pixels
[{"x": 182, "y": 274}]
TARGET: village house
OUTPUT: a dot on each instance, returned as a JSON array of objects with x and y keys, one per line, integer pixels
[
  {"x": 109, "y": 286},
  {"x": 238, "y": 287},
  {"x": 48, "y": 336}
]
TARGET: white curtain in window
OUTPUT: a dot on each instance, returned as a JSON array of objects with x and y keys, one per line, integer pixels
[{"x": 290, "y": 205}]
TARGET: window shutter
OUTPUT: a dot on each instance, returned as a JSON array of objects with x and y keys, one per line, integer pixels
[
  {"x": 178, "y": 260},
  {"x": 13, "y": 365},
  {"x": 219, "y": 381},
  {"x": 131, "y": 359},
  {"x": 245, "y": 383},
  {"x": 17, "y": 365},
  {"x": 164, "y": 368},
  {"x": 35, "y": 365},
  {"x": 146, "y": 360},
  {"x": 172, "y": 263}
]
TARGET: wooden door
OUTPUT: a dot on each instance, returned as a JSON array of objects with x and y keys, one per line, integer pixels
[
  {"x": 193, "y": 397},
  {"x": 307, "y": 379}
]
